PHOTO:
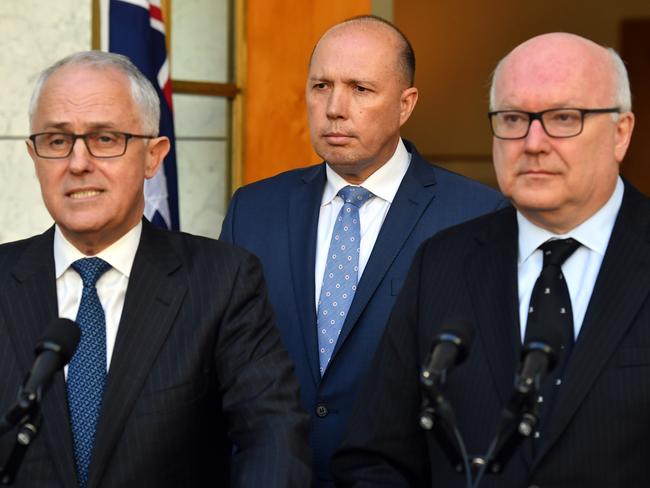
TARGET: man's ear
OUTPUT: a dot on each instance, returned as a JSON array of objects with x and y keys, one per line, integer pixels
[
  {"x": 157, "y": 149},
  {"x": 624, "y": 128},
  {"x": 408, "y": 99}
]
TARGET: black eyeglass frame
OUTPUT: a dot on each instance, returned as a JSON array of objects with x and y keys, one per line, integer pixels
[
  {"x": 532, "y": 116},
  {"x": 127, "y": 136}
]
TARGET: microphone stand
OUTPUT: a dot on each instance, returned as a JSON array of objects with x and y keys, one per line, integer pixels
[
  {"x": 437, "y": 416},
  {"x": 518, "y": 422},
  {"x": 25, "y": 414}
]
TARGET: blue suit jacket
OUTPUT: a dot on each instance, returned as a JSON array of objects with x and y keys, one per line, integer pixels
[{"x": 277, "y": 219}]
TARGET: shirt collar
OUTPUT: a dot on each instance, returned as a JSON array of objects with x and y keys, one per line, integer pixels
[
  {"x": 119, "y": 255},
  {"x": 593, "y": 233},
  {"x": 383, "y": 183}
]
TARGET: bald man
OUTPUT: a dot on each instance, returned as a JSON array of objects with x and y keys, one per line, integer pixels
[
  {"x": 567, "y": 267},
  {"x": 336, "y": 239}
]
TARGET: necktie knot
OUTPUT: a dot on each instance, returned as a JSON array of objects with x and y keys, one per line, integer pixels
[
  {"x": 557, "y": 251},
  {"x": 90, "y": 270},
  {"x": 355, "y": 195}
]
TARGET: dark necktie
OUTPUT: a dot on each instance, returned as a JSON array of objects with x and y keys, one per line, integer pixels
[
  {"x": 550, "y": 306},
  {"x": 87, "y": 370},
  {"x": 341, "y": 272}
]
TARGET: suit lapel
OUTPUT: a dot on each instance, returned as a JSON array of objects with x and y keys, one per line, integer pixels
[
  {"x": 622, "y": 286},
  {"x": 154, "y": 295},
  {"x": 304, "y": 208},
  {"x": 413, "y": 197},
  {"x": 29, "y": 305},
  {"x": 491, "y": 276}
]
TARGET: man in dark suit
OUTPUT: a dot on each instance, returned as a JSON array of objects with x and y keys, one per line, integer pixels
[
  {"x": 180, "y": 377},
  {"x": 561, "y": 119},
  {"x": 359, "y": 93}
]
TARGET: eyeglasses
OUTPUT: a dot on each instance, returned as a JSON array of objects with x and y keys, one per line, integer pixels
[
  {"x": 556, "y": 122},
  {"x": 100, "y": 144}
]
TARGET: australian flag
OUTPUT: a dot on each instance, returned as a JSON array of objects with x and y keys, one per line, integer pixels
[{"x": 135, "y": 28}]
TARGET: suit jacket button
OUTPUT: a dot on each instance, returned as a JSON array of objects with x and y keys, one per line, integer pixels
[{"x": 321, "y": 410}]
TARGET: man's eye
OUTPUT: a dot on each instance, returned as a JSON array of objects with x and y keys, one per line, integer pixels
[
  {"x": 512, "y": 118},
  {"x": 360, "y": 88},
  {"x": 104, "y": 138},
  {"x": 568, "y": 117},
  {"x": 320, "y": 86}
]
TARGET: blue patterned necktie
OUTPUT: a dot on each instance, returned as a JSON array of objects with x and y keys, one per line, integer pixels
[
  {"x": 87, "y": 369},
  {"x": 341, "y": 272}
]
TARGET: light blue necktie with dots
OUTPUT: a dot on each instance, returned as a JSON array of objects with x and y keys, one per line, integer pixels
[
  {"x": 341, "y": 272},
  {"x": 87, "y": 369}
]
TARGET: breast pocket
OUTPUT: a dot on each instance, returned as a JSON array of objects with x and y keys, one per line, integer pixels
[{"x": 173, "y": 398}]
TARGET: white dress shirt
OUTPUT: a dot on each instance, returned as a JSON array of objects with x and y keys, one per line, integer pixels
[
  {"x": 580, "y": 269},
  {"x": 383, "y": 184},
  {"x": 111, "y": 286}
]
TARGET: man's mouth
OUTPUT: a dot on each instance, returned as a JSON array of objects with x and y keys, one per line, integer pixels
[{"x": 77, "y": 195}]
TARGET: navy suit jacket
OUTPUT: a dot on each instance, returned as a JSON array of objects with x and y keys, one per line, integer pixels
[
  {"x": 597, "y": 435},
  {"x": 277, "y": 220},
  {"x": 197, "y": 364}
]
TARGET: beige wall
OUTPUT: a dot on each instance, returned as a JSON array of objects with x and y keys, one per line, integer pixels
[{"x": 457, "y": 45}]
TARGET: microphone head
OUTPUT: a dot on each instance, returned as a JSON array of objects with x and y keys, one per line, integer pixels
[
  {"x": 460, "y": 332},
  {"x": 549, "y": 342},
  {"x": 62, "y": 336}
]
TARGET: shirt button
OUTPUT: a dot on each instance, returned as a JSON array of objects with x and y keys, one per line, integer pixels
[{"x": 321, "y": 410}]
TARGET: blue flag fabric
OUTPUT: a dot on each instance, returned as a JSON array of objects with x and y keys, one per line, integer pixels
[{"x": 136, "y": 30}]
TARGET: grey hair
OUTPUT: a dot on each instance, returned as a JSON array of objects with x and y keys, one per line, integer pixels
[
  {"x": 142, "y": 91},
  {"x": 622, "y": 93}
]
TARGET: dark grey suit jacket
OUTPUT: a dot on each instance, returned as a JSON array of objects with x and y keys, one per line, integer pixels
[
  {"x": 598, "y": 433},
  {"x": 197, "y": 365}
]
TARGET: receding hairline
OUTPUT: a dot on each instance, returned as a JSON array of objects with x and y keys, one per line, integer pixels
[
  {"x": 615, "y": 66},
  {"x": 142, "y": 92},
  {"x": 405, "y": 54}
]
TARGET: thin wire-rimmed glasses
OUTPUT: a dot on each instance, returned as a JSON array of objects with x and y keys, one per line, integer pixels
[
  {"x": 556, "y": 122},
  {"x": 100, "y": 144}
]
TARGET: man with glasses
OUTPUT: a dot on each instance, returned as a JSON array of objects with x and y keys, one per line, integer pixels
[
  {"x": 179, "y": 378},
  {"x": 563, "y": 279}
]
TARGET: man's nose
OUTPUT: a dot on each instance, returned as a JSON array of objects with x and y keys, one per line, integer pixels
[
  {"x": 80, "y": 157},
  {"x": 537, "y": 139},
  {"x": 337, "y": 104}
]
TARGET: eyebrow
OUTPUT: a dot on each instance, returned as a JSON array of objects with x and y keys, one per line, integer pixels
[
  {"x": 347, "y": 81},
  {"x": 65, "y": 126}
]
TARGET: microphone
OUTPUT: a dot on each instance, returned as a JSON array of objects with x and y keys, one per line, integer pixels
[
  {"x": 450, "y": 347},
  {"x": 539, "y": 356},
  {"x": 53, "y": 351},
  {"x": 521, "y": 415}
]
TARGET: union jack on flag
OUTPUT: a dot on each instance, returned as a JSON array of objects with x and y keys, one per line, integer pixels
[{"x": 135, "y": 28}]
